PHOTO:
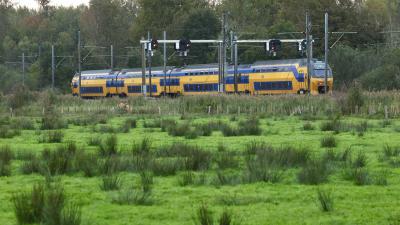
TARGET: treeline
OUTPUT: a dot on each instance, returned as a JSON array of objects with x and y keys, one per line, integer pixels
[{"x": 370, "y": 57}]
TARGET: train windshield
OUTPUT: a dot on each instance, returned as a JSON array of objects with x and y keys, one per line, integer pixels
[{"x": 320, "y": 73}]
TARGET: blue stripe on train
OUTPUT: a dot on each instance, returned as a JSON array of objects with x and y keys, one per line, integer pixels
[
  {"x": 91, "y": 90},
  {"x": 273, "y": 86},
  {"x": 138, "y": 88},
  {"x": 200, "y": 87}
]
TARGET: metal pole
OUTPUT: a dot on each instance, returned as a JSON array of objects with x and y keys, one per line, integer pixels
[
  {"x": 112, "y": 57},
  {"x": 79, "y": 62},
  {"x": 149, "y": 61},
  {"x": 219, "y": 67},
  {"x": 53, "y": 68},
  {"x": 308, "y": 31},
  {"x": 165, "y": 64},
  {"x": 235, "y": 45},
  {"x": 232, "y": 48},
  {"x": 23, "y": 69},
  {"x": 326, "y": 50},
  {"x": 144, "y": 69},
  {"x": 224, "y": 65}
]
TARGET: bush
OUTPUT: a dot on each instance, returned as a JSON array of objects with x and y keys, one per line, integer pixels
[
  {"x": 110, "y": 183},
  {"x": 328, "y": 142},
  {"x": 325, "y": 200},
  {"x": 229, "y": 131},
  {"x": 315, "y": 172}
]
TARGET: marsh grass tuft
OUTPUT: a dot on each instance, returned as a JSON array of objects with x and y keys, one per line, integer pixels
[
  {"x": 110, "y": 183},
  {"x": 204, "y": 216},
  {"x": 328, "y": 142},
  {"x": 314, "y": 172},
  {"x": 325, "y": 200}
]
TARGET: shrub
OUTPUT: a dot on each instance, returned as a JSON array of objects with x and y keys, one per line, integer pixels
[
  {"x": 308, "y": 126},
  {"x": 180, "y": 130},
  {"x": 325, "y": 200},
  {"x": 110, "y": 146},
  {"x": 315, "y": 172},
  {"x": 6, "y": 155},
  {"x": 204, "y": 216},
  {"x": 328, "y": 142},
  {"x": 110, "y": 183}
]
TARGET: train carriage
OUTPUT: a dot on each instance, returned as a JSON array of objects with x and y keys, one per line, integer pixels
[{"x": 260, "y": 78}]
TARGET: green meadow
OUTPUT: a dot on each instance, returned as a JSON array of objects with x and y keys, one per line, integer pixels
[{"x": 198, "y": 168}]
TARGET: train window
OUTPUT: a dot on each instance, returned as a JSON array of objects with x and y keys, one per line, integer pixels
[
  {"x": 201, "y": 73},
  {"x": 186, "y": 74}
]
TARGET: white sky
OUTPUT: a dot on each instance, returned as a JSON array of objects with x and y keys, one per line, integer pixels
[{"x": 33, "y": 4}]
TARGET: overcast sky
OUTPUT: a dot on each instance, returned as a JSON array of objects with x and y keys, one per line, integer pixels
[{"x": 34, "y": 4}]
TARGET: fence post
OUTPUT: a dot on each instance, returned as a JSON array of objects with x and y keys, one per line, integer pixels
[
  {"x": 11, "y": 112},
  {"x": 209, "y": 110},
  {"x": 386, "y": 112}
]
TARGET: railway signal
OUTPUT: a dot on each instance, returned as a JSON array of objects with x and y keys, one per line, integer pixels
[
  {"x": 154, "y": 44},
  {"x": 183, "y": 46},
  {"x": 273, "y": 46}
]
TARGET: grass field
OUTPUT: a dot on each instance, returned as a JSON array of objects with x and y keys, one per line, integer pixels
[{"x": 245, "y": 177}]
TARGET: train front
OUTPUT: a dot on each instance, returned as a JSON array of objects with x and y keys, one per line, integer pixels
[{"x": 318, "y": 79}]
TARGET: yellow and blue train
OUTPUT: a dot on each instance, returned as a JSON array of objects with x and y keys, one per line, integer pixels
[{"x": 260, "y": 78}]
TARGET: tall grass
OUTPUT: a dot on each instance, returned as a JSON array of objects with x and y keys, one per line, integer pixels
[
  {"x": 6, "y": 155},
  {"x": 328, "y": 142},
  {"x": 110, "y": 183},
  {"x": 325, "y": 200},
  {"x": 314, "y": 172},
  {"x": 109, "y": 147},
  {"x": 45, "y": 204},
  {"x": 204, "y": 216}
]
